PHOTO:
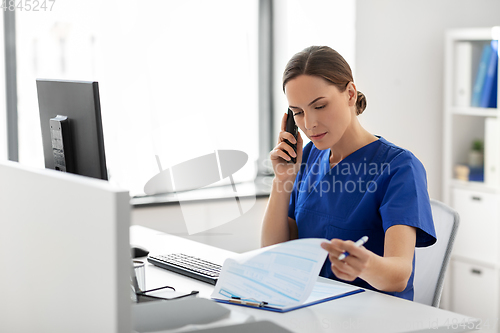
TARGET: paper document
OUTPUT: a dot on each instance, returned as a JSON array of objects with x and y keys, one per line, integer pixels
[{"x": 282, "y": 275}]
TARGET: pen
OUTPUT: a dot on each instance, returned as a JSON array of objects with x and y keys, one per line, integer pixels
[
  {"x": 238, "y": 300},
  {"x": 360, "y": 242}
]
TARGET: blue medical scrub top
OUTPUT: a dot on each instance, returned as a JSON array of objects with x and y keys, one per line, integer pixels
[{"x": 372, "y": 189}]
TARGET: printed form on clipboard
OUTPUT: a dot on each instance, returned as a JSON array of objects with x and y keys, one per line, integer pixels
[{"x": 281, "y": 277}]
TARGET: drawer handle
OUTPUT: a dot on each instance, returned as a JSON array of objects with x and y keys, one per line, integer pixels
[
  {"x": 476, "y": 271},
  {"x": 476, "y": 198}
]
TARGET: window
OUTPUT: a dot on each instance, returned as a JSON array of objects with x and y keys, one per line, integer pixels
[
  {"x": 302, "y": 23},
  {"x": 177, "y": 79},
  {"x": 3, "y": 102}
]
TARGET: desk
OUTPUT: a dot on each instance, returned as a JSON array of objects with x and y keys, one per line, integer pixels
[{"x": 369, "y": 311}]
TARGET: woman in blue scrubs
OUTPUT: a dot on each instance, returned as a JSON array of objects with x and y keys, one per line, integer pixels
[{"x": 347, "y": 183}]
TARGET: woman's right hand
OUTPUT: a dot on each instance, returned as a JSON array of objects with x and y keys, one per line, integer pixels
[{"x": 283, "y": 171}]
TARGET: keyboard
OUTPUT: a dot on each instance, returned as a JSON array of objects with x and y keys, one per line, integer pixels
[{"x": 188, "y": 265}]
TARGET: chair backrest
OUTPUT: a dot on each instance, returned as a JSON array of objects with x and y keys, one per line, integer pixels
[{"x": 431, "y": 262}]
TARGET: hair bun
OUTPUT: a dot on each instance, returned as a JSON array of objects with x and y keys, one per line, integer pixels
[{"x": 360, "y": 103}]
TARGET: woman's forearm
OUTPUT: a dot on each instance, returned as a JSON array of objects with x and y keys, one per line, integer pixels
[
  {"x": 275, "y": 227},
  {"x": 387, "y": 273}
]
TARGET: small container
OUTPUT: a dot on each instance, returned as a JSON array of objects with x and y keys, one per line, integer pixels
[{"x": 140, "y": 274}]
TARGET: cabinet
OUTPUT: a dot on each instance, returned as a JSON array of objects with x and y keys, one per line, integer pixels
[{"x": 474, "y": 273}]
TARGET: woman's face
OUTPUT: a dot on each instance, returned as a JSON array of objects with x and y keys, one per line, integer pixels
[{"x": 320, "y": 110}]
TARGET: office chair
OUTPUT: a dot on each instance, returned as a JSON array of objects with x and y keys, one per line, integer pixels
[{"x": 431, "y": 262}]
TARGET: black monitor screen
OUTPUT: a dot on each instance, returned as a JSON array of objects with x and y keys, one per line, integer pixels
[{"x": 70, "y": 119}]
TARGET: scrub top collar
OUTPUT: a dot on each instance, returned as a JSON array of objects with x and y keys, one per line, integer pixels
[{"x": 325, "y": 160}]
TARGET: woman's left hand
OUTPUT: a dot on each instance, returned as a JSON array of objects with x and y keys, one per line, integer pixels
[{"x": 352, "y": 266}]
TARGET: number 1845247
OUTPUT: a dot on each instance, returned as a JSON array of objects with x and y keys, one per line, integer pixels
[{"x": 27, "y": 5}]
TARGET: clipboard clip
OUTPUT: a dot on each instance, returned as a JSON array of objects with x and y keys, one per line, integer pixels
[{"x": 249, "y": 302}]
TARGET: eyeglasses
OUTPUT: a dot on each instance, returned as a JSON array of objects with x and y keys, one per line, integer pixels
[{"x": 143, "y": 296}]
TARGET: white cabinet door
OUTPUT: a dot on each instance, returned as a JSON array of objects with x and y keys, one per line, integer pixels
[
  {"x": 478, "y": 233},
  {"x": 474, "y": 292}
]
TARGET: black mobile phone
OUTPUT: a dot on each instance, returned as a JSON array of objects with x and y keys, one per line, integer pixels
[{"x": 291, "y": 127}]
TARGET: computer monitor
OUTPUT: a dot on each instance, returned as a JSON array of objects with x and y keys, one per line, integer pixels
[{"x": 70, "y": 120}]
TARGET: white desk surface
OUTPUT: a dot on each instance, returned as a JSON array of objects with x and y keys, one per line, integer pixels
[{"x": 368, "y": 311}]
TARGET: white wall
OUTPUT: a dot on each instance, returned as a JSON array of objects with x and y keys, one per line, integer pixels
[{"x": 399, "y": 67}]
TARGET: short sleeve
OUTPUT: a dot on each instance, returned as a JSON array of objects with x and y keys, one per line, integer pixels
[{"x": 406, "y": 199}]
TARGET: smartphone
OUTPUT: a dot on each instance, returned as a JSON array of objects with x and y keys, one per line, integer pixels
[{"x": 291, "y": 127}]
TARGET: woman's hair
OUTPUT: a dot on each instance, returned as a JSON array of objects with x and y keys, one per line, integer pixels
[{"x": 324, "y": 62}]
